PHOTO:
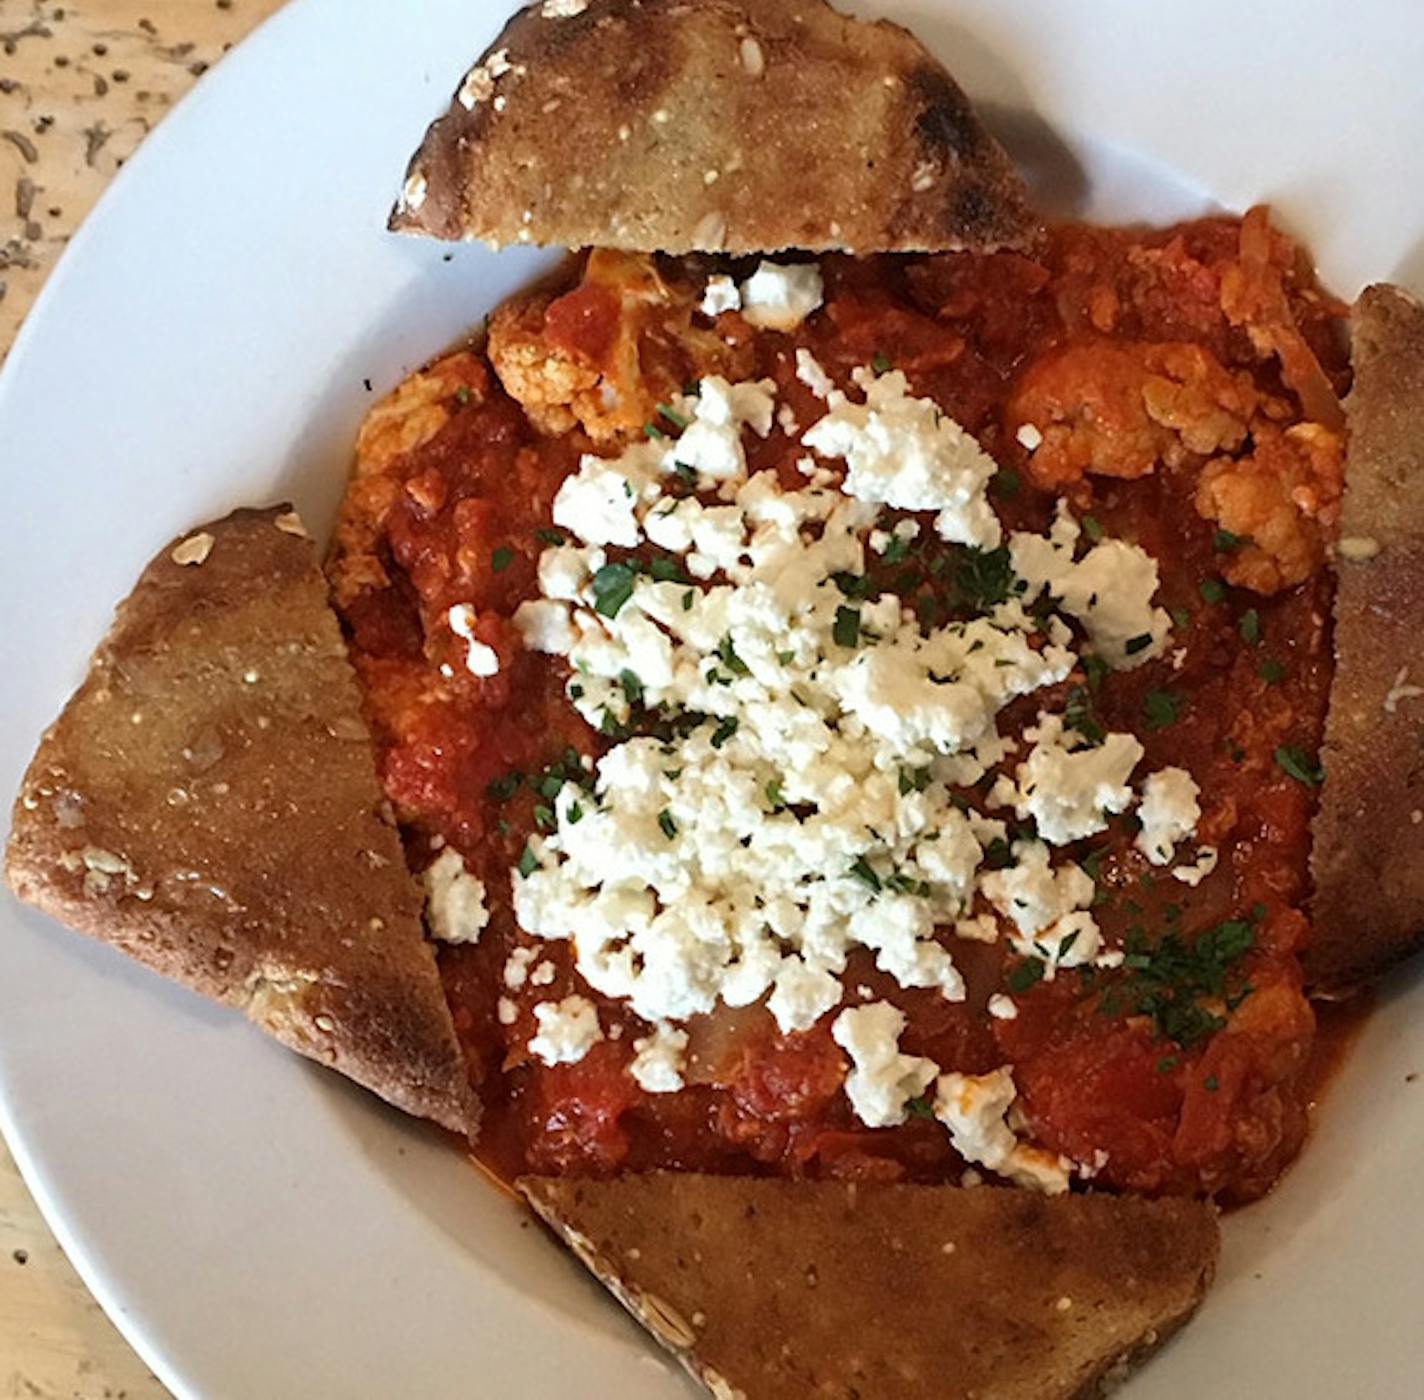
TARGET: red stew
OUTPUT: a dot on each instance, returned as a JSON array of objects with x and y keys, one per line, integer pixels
[{"x": 1169, "y": 374}]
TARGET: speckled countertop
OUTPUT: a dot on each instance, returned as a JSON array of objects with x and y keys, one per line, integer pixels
[{"x": 80, "y": 86}]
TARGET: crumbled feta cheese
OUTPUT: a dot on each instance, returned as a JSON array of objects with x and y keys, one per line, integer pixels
[
  {"x": 506, "y": 1011},
  {"x": 454, "y": 899},
  {"x": 973, "y": 1108},
  {"x": 1069, "y": 787},
  {"x": 516, "y": 967},
  {"x": 596, "y": 502},
  {"x": 568, "y": 1030},
  {"x": 810, "y": 373},
  {"x": 1199, "y": 869},
  {"x": 721, "y": 295},
  {"x": 1029, "y": 437},
  {"x": 1169, "y": 813},
  {"x": 1109, "y": 590},
  {"x": 545, "y": 626},
  {"x": 1047, "y": 908},
  {"x": 903, "y": 451},
  {"x": 1003, "y": 1008},
  {"x": 812, "y": 811},
  {"x": 543, "y": 975},
  {"x": 882, "y": 1080},
  {"x": 658, "y": 1060},
  {"x": 779, "y": 296},
  {"x": 480, "y": 659}
]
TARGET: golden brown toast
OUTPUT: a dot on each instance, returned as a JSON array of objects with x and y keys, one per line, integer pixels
[
  {"x": 208, "y": 803},
  {"x": 780, "y": 1290},
  {"x": 712, "y": 125},
  {"x": 1368, "y": 839}
]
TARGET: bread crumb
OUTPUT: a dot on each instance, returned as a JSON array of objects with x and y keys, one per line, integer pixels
[{"x": 194, "y": 550}]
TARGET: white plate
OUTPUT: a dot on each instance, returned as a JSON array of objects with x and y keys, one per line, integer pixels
[{"x": 256, "y": 1227}]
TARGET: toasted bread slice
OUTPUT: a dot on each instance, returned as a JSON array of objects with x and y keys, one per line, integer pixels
[
  {"x": 1368, "y": 839},
  {"x": 716, "y": 126},
  {"x": 208, "y": 803},
  {"x": 779, "y": 1290}
]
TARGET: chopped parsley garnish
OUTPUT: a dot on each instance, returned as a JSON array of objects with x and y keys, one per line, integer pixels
[
  {"x": 502, "y": 789},
  {"x": 463, "y": 393},
  {"x": 881, "y": 364},
  {"x": 861, "y": 869},
  {"x": 1250, "y": 627},
  {"x": 501, "y": 559},
  {"x": 544, "y": 817},
  {"x": 1079, "y": 714},
  {"x": 575, "y": 813},
  {"x": 685, "y": 473},
  {"x": 774, "y": 795},
  {"x": 1181, "y": 618},
  {"x": 1027, "y": 975},
  {"x": 1167, "y": 1064},
  {"x": 1141, "y": 642},
  {"x": 1092, "y": 528},
  {"x": 851, "y": 585},
  {"x": 913, "y": 780},
  {"x": 665, "y": 570},
  {"x": 653, "y": 431},
  {"x": 1160, "y": 708},
  {"x": 730, "y": 659},
  {"x": 846, "y": 630},
  {"x": 687, "y": 599},
  {"x": 1211, "y": 1084},
  {"x": 1213, "y": 591},
  {"x": 665, "y": 821},
  {"x": 897, "y": 550},
  {"x": 547, "y": 536},
  {"x": 1298, "y": 763},
  {"x": 528, "y": 862},
  {"x": 1272, "y": 672},
  {"x": 632, "y": 685},
  {"x": 1095, "y": 669},
  {"x": 1224, "y": 542},
  {"x": 1169, "y": 980},
  {"x": 672, "y": 416},
  {"x": 997, "y": 854},
  {"x": 1006, "y": 483},
  {"x": 612, "y": 587},
  {"x": 985, "y": 576},
  {"x": 724, "y": 731},
  {"x": 919, "y": 1108}
]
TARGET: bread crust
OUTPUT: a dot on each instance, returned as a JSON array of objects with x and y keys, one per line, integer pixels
[
  {"x": 1367, "y": 857},
  {"x": 778, "y": 1290},
  {"x": 712, "y": 125},
  {"x": 208, "y": 803}
]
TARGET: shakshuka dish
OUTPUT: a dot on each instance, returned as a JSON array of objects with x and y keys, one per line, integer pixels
[{"x": 851, "y": 727}]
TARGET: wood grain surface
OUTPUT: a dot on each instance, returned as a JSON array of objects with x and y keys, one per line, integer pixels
[{"x": 81, "y": 85}]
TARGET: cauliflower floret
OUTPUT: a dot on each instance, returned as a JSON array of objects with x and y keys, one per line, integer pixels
[
  {"x": 545, "y": 381},
  {"x": 1282, "y": 499},
  {"x": 1117, "y": 410},
  {"x": 417, "y": 410}
]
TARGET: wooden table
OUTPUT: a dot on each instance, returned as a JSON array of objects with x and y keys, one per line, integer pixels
[{"x": 80, "y": 86}]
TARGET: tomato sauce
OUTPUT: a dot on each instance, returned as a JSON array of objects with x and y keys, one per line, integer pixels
[{"x": 1163, "y": 371}]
